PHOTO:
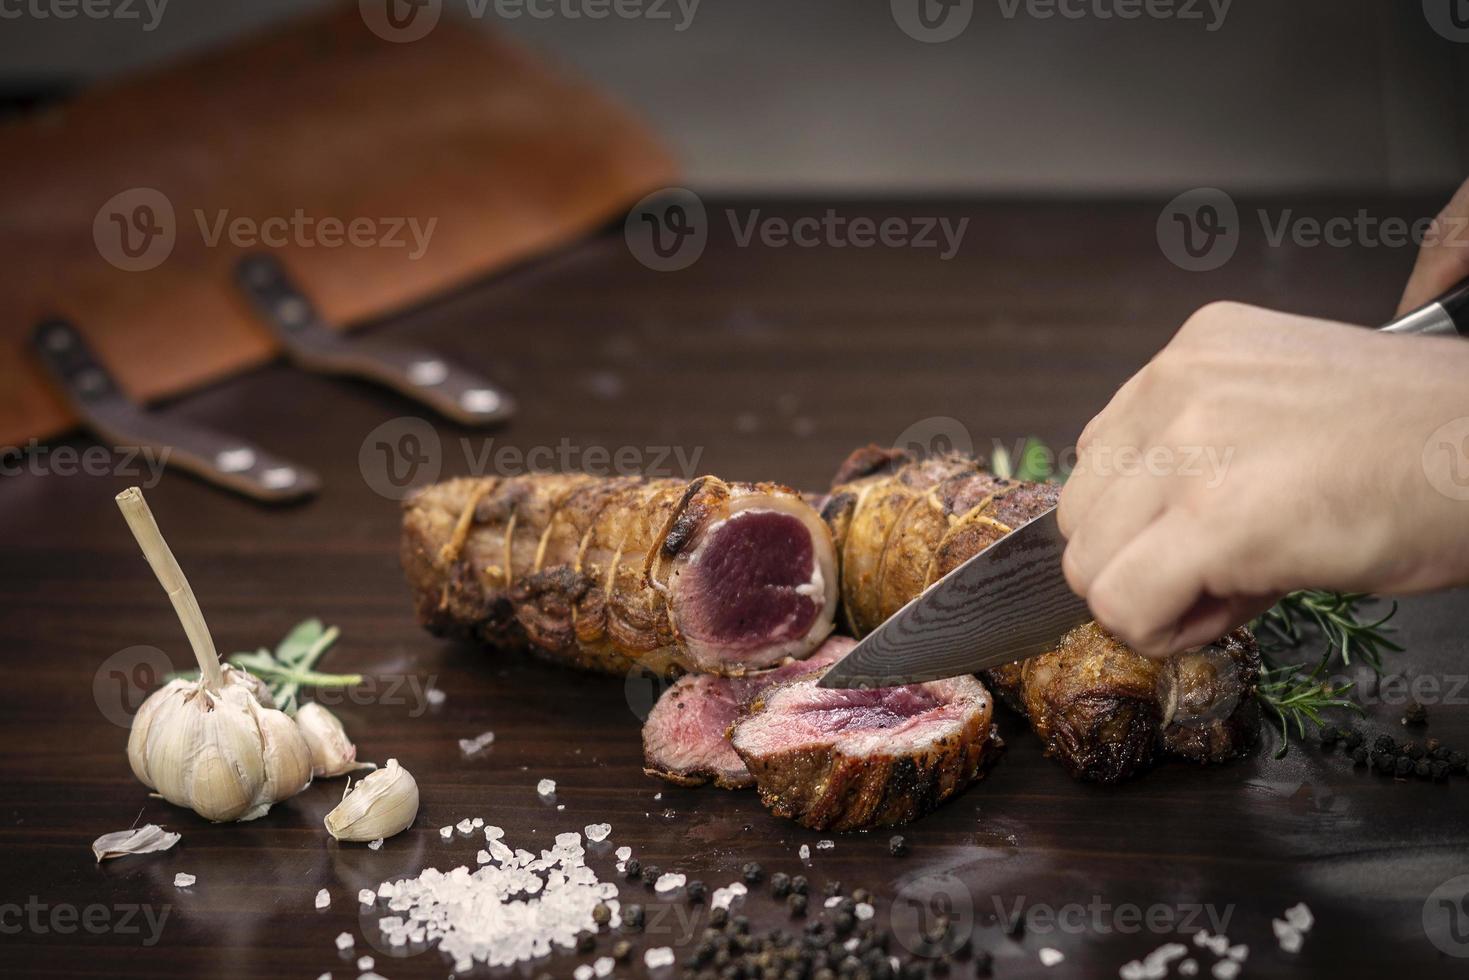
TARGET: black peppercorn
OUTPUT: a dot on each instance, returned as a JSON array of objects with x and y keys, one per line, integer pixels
[
  {"x": 651, "y": 874},
  {"x": 632, "y": 916},
  {"x": 1329, "y": 735},
  {"x": 1413, "y": 751},
  {"x": 1383, "y": 761},
  {"x": 740, "y": 924},
  {"x": 1359, "y": 756},
  {"x": 780, "y": 884},
  {"x": 601, "y": 914},
  {"x": 1422, "y": 769},
  {"x": 799, "y": 885},
  {"x": 1440, "y": 770},
  {"x": 1403, "y": 766},
  {"x": 586, "y": 942},
  {"x": 752, "y": 873},
  {"x": 897, "y": 846},
  {"x": 1456, "y": 762},
  {"x": 695, "y": 891},
  {"x": 1353, "y": 738},
  {"x": 718, "y": 916},
  {"x": 845, "y": 922},
  {"x": 1416, "y": 714},
  {"x": 633, "y": 867},
  {"x": 1384, "y": 743},
  {"x": 860, "y": 895},
  {"x": 622, "y": 951},
  {"x": 832, "y": 889},
  {"x": 983, "y": 963}
]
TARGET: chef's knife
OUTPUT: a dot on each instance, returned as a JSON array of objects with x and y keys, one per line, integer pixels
[{"x": 1011, "y": 601}]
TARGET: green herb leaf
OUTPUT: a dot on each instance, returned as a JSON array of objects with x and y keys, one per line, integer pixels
[{"x": 292, "y": 665}]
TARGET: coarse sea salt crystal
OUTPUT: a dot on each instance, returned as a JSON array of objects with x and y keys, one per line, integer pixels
[
  {"x": 1299, "y": 915},
  {"x": 863, "y": 911},
  {"x": 494, "y": 833},
  {"x": 482, "y": 857},
  {"x": 546, "y": 787},
  {"x": 183, "y": 880},
  {"x": 658, "y": 957},
  {"x": 1239, "y": 953},
  {"x": 1188, "y": 968},
  {"x": 825, "y": 845},
  {"x": 1288, "y": 935},
  {"x": 623, "y": 853},
  {"x": 446, "y": 832},
  {"x": 345, "y": 941},
  {"x": 805, "y": 852},
  {"x": 597, "y": 832},
  {"x": 603, "y": 966},
  {"x": 1226, "y": 970},
  {"x": 1050, "y": 957},
  {"x": 376, "y": 845},
  {"x": 582, "y": 972},
  {"x": 323, "y": 899},
  {"x": 367, "y": 896},
  {"x": 464, "y": 826},
  {"x": 435, "y": 696},
  {"x": 477, "y": 822},
  {"x": 469, "y": 746},
  {"x": 364, "y": 962},
  {"x": 668, "y": 881},
  {"x": 833, "y": 901}
]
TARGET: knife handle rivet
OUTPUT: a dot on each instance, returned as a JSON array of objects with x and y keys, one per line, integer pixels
[
  {"x": 236, "y": 460},
  {"x": 58, "y": 338},
  {"x": 292, "y": 311},
  {"x": 90, "y": 382},
  {"x": 480, "y": 400},
  {"x": 278, "y": 477},
  {"x": 428, "y": 373}
]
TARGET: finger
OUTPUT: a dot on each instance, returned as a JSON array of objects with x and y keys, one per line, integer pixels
[
  {"x": 1212, "y": 617},
  {"x": 1126, "y": 507},
  {"x": 1143, "y": 593},
  {"x": 1443, "y": 261},
  {"x": 1115, "y": 427}
]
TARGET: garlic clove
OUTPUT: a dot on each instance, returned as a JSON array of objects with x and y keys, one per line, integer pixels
[
  {"x": 256, "y": 686},
  {"x": 332, "y": 753},
  {"x": 142, "y": 724},
  {"x": 384, "y": 803},
  {"x": 287, "y": 756}
]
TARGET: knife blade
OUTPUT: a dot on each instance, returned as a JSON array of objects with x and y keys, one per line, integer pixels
[{"x": 1011, "y": 600}]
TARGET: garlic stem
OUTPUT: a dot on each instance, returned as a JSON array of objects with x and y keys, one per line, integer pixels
[{"x": 145, "y": 529}]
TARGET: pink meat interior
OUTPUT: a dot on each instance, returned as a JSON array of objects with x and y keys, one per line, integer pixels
[
  {"x": 835, "y": 712},
  {"x": 740, "y": 594}
]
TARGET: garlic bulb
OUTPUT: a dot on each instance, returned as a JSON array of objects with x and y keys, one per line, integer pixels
[
  {"x": 211, "y": 745},
  {"x": 382, "y": 804},
  {"x": 217, "y": 751},
  {"x": 332, "y": 753}
]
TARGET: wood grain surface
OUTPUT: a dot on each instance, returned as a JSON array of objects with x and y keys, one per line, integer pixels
[{"x": 770, "y": 363}]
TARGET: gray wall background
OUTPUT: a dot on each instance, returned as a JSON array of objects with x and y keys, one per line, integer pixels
[{"x": 765, "y": 95}]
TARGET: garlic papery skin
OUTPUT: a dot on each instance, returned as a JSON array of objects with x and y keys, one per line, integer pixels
[
  {"x": 332, "y": 752},
  {"x": 384, "y": 803},
  {"x": 217, "y": 751}
]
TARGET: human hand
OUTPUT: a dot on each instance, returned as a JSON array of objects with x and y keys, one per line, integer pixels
[
  {"x": 1259, "y": 453},
  {"x": 1444, "y": 258}
]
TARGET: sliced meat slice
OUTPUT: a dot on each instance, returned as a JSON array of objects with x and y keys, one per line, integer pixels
[
  {"x": 852, "y": 760},
  {"x": 686, "y": 736}
]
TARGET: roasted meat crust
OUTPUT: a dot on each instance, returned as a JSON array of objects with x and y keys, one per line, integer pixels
[
  {"x": 1103, "y": 710},
  {"x": 571, "y": 566},
  {"x": 825, "y": 784}
]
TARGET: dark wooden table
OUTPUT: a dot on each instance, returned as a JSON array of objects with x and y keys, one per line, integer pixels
[{"x": 771, "y": 363}]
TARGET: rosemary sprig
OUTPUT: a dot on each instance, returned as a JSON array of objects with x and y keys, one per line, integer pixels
[
  {"x": 1295, "y": 698},
  {"x": 293, "y": 663},
  {"x": 1037, "y": 463},
  {"x": 1336, "y": 618}
]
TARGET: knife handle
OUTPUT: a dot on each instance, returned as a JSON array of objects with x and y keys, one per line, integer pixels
[{"x": 1447, "y": 316}]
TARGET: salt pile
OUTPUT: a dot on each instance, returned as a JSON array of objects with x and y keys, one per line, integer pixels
[{"x": 517, "y": 907}]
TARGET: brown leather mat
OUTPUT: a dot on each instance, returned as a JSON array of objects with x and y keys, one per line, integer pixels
[{"x": 459, "y": 140}]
